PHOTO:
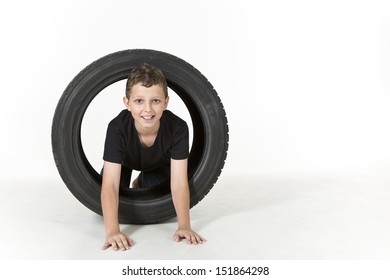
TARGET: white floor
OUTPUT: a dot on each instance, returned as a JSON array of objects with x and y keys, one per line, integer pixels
[{"x": 324, "y": 215}]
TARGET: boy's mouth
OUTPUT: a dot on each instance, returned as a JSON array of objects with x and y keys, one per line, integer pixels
[{"x": 148, "y": 118}]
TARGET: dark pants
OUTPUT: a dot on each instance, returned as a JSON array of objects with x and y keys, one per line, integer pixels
[{"x": 146, "y": 179}]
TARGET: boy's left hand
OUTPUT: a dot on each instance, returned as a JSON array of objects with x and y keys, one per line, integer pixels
[{"x": 191, "y": 236}]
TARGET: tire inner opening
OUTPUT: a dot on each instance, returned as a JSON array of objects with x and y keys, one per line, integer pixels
[{"x": 107, "y": 104}]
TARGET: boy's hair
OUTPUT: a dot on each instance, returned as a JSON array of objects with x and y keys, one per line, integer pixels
[{"x": 148, "y": 76}]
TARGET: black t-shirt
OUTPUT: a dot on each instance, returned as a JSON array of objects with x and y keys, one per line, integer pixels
[{"x": 123, "y": 145}]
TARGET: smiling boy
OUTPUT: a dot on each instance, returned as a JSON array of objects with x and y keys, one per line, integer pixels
[{"x": 149, "y": 138}]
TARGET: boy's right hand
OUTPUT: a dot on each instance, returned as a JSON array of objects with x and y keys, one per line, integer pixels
[{"x": 118, "y": 241}]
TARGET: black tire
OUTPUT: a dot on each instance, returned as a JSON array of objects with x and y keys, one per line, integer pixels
[{"x": 210, "y": 135}]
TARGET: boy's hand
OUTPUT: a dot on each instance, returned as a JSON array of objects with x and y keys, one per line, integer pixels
[
  {"x": 191, "y": 236},
  {"x": 118, "y": 241}
]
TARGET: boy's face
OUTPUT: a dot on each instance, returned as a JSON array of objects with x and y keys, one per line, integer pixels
[{"x": 146, "y": 106}]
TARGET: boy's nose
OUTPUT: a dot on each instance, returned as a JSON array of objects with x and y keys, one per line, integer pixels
[{"x": 147, "y": 107}]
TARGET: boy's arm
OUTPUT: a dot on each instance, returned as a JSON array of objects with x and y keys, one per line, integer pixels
[
  {"x": 181, "y": 200},
  {"x": 110, "y": 203}
]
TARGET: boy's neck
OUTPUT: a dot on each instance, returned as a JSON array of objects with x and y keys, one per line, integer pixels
[{"x": 149, "y": 131}]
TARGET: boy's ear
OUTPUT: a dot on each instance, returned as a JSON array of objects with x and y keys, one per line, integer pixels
[
  {"x": 166, "y": 102},
  {"x": 126, "y": 102}
]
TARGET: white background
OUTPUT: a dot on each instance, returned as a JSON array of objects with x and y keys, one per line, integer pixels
[{"x": 305, "y": 85}]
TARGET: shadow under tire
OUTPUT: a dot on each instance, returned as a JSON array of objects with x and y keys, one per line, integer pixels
[{"x": 210, "y": 134}]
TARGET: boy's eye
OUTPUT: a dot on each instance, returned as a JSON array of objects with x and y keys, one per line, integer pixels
[
  {"x": 156, "y": 101},
  {"x": 138, "y": 101}
]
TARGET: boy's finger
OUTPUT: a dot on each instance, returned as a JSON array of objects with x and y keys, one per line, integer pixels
[
  {"x": 177, "y": 237},
  {"x": 106, "y": 245},
  {"x": 124, "y": 244},
  {"x": 130, "y": 241}
]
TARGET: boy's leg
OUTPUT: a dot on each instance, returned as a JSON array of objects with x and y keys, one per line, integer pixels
[{"x": 155, "y": 177}]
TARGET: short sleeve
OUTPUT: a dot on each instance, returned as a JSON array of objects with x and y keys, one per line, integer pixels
[
  {"x": 179, "y": 148},
  {"x": 114, "y": 146}
]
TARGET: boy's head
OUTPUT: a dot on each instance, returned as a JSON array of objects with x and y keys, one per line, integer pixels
[{"x": 147, "y": 75}]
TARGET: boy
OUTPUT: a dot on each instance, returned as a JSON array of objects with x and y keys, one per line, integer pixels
[{"x": 146, "y": 137}]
